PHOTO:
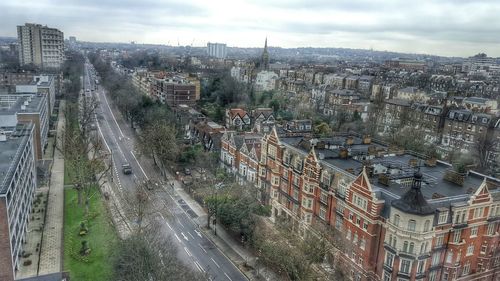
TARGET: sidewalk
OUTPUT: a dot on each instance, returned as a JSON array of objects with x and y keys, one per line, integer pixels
[
  {"x": 51, "y": 248},
  {"x": 228, "y": 246}
]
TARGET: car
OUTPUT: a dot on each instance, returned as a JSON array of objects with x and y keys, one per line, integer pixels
[
  {"x": 187, "y": 171},
  {"x": 126, "y": 169}
]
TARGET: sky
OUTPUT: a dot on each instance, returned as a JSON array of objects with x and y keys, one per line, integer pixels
[{"x": 440, "y": 27}]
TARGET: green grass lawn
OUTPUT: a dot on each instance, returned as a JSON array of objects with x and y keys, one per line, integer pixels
[
  {"x": 68, "y": 173},
  {"x": 101, "y": 237}
]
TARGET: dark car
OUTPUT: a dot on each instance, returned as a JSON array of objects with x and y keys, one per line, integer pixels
[{"x": 127, "y": 170}]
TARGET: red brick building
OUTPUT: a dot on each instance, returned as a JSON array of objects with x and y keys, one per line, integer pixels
[{"x": 392, "y": 215}]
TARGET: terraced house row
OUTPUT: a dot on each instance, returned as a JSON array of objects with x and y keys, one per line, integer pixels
[{"x": 393, "y": 214}]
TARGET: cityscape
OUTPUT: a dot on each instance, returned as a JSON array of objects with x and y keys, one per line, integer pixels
[{"x": 256, "y": 153}]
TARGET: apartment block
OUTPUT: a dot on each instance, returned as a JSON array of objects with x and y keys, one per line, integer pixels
[
  {"x": 175, "y": 90},
  {"x": 240, "y": 154},
  {"x": 392, "y": 214},
  {"x": 26, "y": 109},
  {"x": 42, "y": 84},
  {"x": 17, "y": 187},
  {"x": 40, "y": 45}
]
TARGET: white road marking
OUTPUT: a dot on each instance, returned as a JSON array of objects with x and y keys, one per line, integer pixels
[
  {"x": 198, "y": 233},
  {"x": 187, "y": 252},
  {"x": 191, "y": 235},
  {"x": 199, "y": 266},
  {"x": 184, "y": 236},
  {"x": 180, "y": 223},
  {"x": 102, "y": 135},
  {"x": 202, "y": 248},
  {"x": 106, "y": 99},
  {"x": 161, "y": 216},
  {"x": 178, "y": 239},
  {"x": 217, "y": 264},
  {"x": 133, "y": 155},
  {"x": 228, "y": 277},
  {"x": 168, "y": 225}
]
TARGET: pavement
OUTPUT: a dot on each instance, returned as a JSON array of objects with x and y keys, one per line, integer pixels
[{"x": 51, "y": 248}]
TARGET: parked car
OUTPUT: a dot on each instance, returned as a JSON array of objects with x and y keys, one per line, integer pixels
[{"x": 187, "y": 171}]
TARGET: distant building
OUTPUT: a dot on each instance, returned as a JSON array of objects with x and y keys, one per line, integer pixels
[
  {"x": 42, "y": 84},
  {"x": 175, "y": 90},
  {"x": 17, "y": 190},
  {"x": 479, "y": 62},
  {"x": 40, "y": 45},
  {"x": 266, "y": 80},
  {"x": 217, "y": 50}
]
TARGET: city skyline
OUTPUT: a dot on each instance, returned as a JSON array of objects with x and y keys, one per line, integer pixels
[{"x": 448, "y": 28}]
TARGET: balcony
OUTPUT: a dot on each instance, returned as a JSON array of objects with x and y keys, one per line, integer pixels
[
  {"x": 324, "y": 186},
  {"x": 460, "y": 225}
]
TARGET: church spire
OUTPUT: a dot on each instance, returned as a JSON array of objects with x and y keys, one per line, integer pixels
[{"x": 265, "y": 57}]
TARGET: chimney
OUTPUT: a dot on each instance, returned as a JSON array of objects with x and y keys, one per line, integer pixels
[
  {"x": 350, "y": 140},
  {"x": 343, "y": 153},
  {"x": 26, "y": 102},
  {"x": 367, "y": 139}
]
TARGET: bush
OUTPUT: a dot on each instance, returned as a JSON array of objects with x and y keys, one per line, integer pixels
[{"x": 27, "y": 262}]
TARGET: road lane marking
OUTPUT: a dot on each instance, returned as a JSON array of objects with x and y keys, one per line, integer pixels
[
  {"x": 198, "y": 233},
  {"x": 217, "y": 264},
  {"x": 199, "y": 266},
  {"x": 168, "y": 225},
  {"x": 228, "y": 277},
  {"x": 178, "y": 239},
  {"x": 202, "y": 248},
  {"x": 106, "y": 99},
  {"x": 191, "y": 235},
  {"x": 187, "y": 252},
  {"x": 184, "y": 236},
  {"x": 133, "y": 155}
]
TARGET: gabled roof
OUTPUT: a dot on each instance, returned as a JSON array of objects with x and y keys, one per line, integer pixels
[{"x": 233, "y": 112}]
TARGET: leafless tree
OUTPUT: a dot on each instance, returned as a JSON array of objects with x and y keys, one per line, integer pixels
[{"x": 149, "y": 256}]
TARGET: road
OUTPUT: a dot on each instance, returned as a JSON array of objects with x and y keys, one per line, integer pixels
[{"x": 179, "y": 222}]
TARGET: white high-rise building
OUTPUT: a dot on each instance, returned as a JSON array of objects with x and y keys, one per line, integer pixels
[
  {"x": 217, "y": 50},
  {"x": 40, "y": 45}
]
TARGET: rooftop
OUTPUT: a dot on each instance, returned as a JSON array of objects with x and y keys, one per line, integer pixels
[
  {"x": 10, "y": 152},
  {"x": 391, "y": 169},
  {"x": 12, "y": 104}
]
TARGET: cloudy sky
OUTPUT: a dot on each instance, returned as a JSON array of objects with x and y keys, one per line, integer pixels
[{"x": 443, "y": 27}]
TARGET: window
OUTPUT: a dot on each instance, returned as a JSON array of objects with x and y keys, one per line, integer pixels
[
  {"x": 322, "y": 212},
  {"x": 432, "y": 275},
  {"x": 389, "y": 258},
  {"x": 445, "y": 276},
  {"x": 411, "y": 225},
  {"x": 338, "y": 223},
  {"x": 426, "y": 225},
  {"x": 362, "y": 244},
  {"x": 439, "y": 240},
  {"x": 436, "y": 258},
  {"x": 348, "y": 237},
  {"x": 387, "y": 276},
  {"x": 360, "y": 202},
  {"x": 466, "y": 269},
  {"x": 473, "y": 231},
  {"x": 405, "y": 246},
  {"x": 307, "y": 203},
  {"x": 405, "y": 266},
  {"x": 351, "y": 216},
  {"x": 449, "y": 257},
  {"x": 342, "y": 187},
  {"x": 396, "y": 220},
  {"x": 365, "y": 225},
  {"x": 358, "y": 221},
  {"x": 276, "y": 180},
  {"x": 456, "y": 236},
  {"x": 324, "y": 197},
  {"x": 271, "y": 151},
  {"x": 491, "y": 228},
  {"x": 470, "y": 249},
  {"x": 410, "y": 249},
  {"x": 484, "y": 248},
  {"x": 420, "y": 266},
  {"x": 355, "y": 239},
  {"x": 460, "y": 216},
  {"x": 478, "y": 212}
]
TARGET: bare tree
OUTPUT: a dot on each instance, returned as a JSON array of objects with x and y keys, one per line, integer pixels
[
  {"x": 149, "y": 256},
  {"x": 483, "y": 147},
  {"x": 158, "y": 140}
]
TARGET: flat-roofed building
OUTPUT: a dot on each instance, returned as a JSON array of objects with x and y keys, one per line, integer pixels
[
  {"x": 40, "y": 45},
  {"x": 26, "y": 108},
  {"x": 17, "y": 189}
]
